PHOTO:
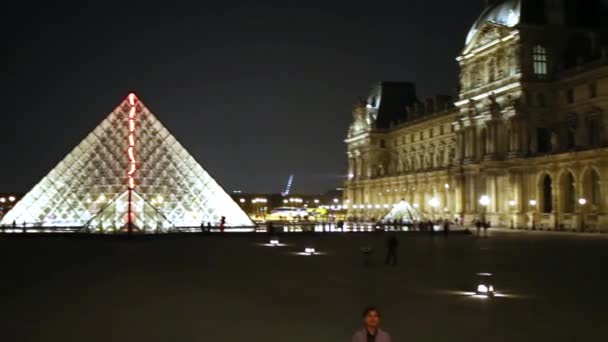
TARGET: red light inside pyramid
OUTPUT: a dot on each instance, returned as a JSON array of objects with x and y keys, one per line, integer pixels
[{"x": 132, "y": 99}]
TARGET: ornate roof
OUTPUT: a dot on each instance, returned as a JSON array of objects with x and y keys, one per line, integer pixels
[{"x": 505, "y": 12}]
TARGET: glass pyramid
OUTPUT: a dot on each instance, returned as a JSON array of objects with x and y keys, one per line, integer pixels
[
  {"x": 129, "y": 171},
  {"x": 403, "y": 211}
]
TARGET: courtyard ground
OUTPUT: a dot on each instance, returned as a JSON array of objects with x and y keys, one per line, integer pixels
[{"x": 232, "y": 288}]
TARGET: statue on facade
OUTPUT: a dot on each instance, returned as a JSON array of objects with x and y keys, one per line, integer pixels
[
  {"x": 493, "y": 106},
  {"x": 473, "y": 111},
  {"x": 554, "y": 142},
  {"x": 361, "y": 122},
  {"x": 381, "y": 170}
]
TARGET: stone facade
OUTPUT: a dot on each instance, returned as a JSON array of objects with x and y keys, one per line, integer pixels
[{"x": 528, "y": 135}]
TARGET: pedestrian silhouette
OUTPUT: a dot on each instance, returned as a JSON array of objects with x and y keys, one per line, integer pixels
[
  {"x": 222, "y": 224},
  {"x": 391, "y": 245},
  {"x": 486, "y": 225},
  {"x": 478, "y": 225}
]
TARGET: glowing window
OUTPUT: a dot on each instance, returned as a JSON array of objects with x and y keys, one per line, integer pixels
[{"x": 539, "y": 54}]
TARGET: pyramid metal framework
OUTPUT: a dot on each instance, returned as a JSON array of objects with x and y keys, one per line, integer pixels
[{"x": 129, "y": 173}]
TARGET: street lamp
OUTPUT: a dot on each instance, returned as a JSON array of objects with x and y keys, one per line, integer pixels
[
  {"x": 582, "y": 202},
  {"x": 533, "y": 204}
]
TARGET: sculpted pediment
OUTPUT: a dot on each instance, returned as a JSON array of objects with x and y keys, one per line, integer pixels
[{"x": 487, "y": 33}]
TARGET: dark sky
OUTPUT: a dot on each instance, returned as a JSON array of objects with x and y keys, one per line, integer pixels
[{"x": 255, "y": 90}]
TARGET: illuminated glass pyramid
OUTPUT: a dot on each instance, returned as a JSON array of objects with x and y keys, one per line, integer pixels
[
  {"x": 403, "y": 211},
  {"x": 129, "y": 173}
]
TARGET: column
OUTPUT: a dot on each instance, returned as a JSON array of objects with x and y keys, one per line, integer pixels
[
  {"x": 491, "y": 140},
  {"x": 470, "y": 144},
  {"x": 492, "y": 192},
  {"x": 460, "y": 137},
  {"x": 351, "y": 168},
  {"x": 459, "y": 190}
]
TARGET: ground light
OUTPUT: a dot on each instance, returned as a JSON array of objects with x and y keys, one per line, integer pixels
[
  {"x": 310, "y": 251},
  {"x": 485, "y": 286},
  {"x": 274, "y": 242}
]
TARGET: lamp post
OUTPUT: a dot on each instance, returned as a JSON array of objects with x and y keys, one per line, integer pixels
[
  {"x": 484, "y": 201},
  {"x": 512, "y": 205},
  {"x": 582, "y": 202},
  {"x": 533, "y": 204}
]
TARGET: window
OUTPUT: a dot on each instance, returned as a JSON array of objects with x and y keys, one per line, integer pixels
[
  {"x": 540, "y": 100},
  {"x": 539, "y": 54},
  {"x": 570, "y": 96},
  {"x": 492, "y": 71},
  {"x": 595, "y": 130},
  {"x": 544, "y": 140},
  {"x": 593, "y": 90}
]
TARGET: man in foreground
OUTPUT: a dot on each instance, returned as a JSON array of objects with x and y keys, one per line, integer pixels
[{"x": 371, "y": 331}]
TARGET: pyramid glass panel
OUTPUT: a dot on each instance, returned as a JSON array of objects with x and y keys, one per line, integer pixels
[{"x": 130, "y": 171}]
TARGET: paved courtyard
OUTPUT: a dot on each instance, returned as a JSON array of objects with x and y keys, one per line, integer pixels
[{"x": 231, "y": 288}]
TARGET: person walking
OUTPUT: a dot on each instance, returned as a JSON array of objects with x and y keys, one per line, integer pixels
[
  {"x": 391, "y": 254},
  {"x": 478, "y": 225},
  {"x": 222, "y": 224},
  {"x": 446, "y": 228},
  {"x": 486, "y": 226},
  {"x": 371, "y": 331}
]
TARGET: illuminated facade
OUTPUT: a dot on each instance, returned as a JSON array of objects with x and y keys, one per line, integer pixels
[
  {"x": 526, "y": 144},
  {"x": 129, "y": 173}
]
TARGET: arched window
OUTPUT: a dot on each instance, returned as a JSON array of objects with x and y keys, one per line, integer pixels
[
  {"x": 547, "y": 192},
  {"x": 595, "y": 188},
  {"x": 539, "y": 55},
  {"x": 594, "y": 129}
]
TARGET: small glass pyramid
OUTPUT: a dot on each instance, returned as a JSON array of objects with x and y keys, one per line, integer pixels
[{"x": 130, "y": 155}]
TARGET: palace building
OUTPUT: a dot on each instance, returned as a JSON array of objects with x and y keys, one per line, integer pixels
[{"x": 524, "y": 146}]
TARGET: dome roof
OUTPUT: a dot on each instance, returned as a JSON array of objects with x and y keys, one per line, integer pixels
[{"x": 504, "y": 12}]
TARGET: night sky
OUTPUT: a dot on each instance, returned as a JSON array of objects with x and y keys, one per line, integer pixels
[{"x": 255, "y": 90}]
